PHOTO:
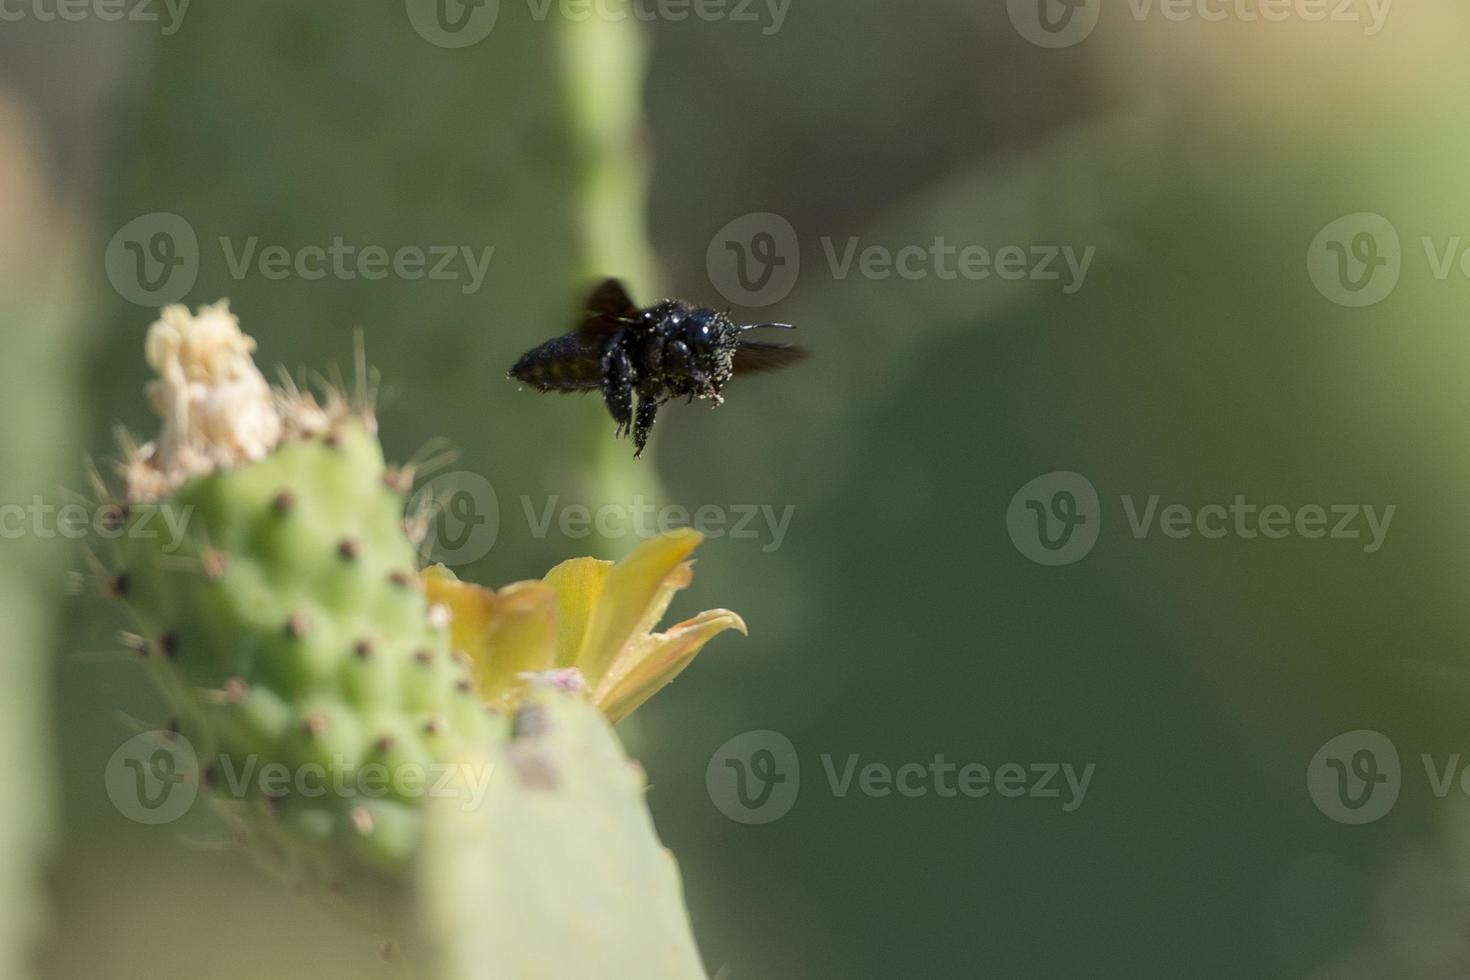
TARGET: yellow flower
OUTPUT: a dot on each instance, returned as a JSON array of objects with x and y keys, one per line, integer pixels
[{"x": 588, "y": 624}]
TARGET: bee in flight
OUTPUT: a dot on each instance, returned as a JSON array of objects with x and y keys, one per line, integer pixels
[{"x": 668, "y": 350}]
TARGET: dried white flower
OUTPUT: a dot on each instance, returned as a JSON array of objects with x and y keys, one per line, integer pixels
[{"x": 217, "y": 408}]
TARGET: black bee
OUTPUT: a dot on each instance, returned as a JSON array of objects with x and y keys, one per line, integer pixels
[{"x": 669, "y": 350}]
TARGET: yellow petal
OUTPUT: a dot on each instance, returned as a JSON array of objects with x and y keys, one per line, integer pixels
[
  {"x": 677, "y": 579},
  {"x": 578, "y": 584},
  {"x": 505, "y": 633},
  {"x": 658, "y": 659},
  {"x": 632, "y": 589},
  {"x": 521, "y": 640},
  {"x": 632, "y": 652},
  {"x": 443, "y": 588}
]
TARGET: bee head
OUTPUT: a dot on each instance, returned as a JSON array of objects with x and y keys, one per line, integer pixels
[{"x": 713, "y": 339}]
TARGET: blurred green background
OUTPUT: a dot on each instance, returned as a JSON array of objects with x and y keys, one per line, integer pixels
[{"x": 897, "y": 620}]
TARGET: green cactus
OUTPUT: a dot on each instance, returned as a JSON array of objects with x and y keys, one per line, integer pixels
[
  {"x": 290, "y": 628},
  {"x": 577, "y": 884},
  {"x": 463, "y": 786}
]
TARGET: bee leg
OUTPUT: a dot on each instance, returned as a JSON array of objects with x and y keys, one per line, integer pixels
[
  {"x": 617, "y": 388},
  {"x": 682, "y": 354},
  {"x": 647, "y": 412}
]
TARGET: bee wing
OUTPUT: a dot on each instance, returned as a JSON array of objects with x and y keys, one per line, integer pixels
[
  {"x": 753, "y": 356},
  {"x": 607, "y": 309}
]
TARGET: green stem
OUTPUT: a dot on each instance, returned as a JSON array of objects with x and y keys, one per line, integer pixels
[{"x": 603, "y": 62}]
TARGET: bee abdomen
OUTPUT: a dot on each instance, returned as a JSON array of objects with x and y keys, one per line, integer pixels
[{"x": 563, "y": 364}]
